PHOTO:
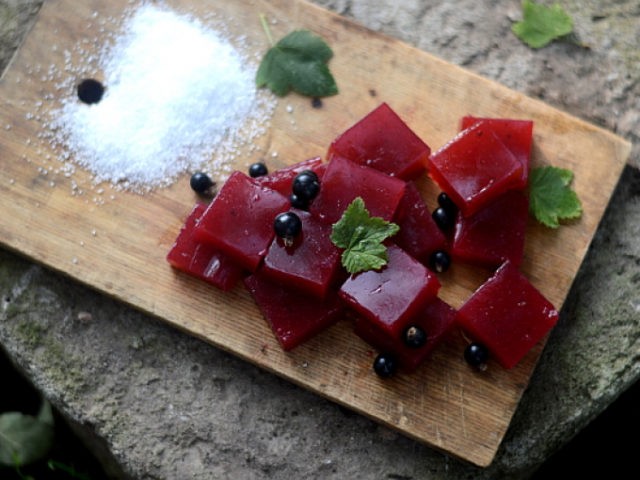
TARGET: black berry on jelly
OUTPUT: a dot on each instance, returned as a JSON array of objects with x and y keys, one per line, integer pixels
[
  {"x": 385, "y": 365},
  {"x": 444, "y": 219},
  {"x": 445, "y": 202},
  {"x": 201, "y": 183},
  {"x": 476, "y": 355},
  {"x": 258, "y": 169},
  {"x": 287, "y": 226},
  {"x": 299, "y": 202},
  {"x": 414, "y": 336},
  {"x": 306, "y": 185},
  {"x": 440, "y": 261}
]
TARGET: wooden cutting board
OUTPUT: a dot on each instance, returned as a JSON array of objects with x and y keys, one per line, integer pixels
[{"x": 116, "y": 241}]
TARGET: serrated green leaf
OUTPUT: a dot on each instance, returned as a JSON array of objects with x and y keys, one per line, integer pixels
[
  {"x": 541, "y": 25},
  {"x": 551, "y": 198},
  {"x": 25, "y": 439},
  {"x": 361, "y": 235},
  {"x": 298, "y": 62}
]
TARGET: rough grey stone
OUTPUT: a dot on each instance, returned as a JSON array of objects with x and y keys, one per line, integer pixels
[{"x": 156, "y": 403}]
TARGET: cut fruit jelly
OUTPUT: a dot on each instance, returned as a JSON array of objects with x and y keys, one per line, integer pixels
[
  {"x": 507, "y": 315},
  {"x": 390, "y": 296},
  {"x": 239, "y": 220},
  {"x": 310, "y": 264},
  {"x": 345, "y": 180},
  {"x": 517, "y": 136},
  {"x": 293, "y": 318},
  {"x": 202, "y": 261},
  {"x": 382, "y": 140},
  {"x": 474, "y": 168},
  {"x": 436, "y": 319},
  {"x": 419, "y": 235},
  {"x": 493, "y": 234},
  {"x": 282, "y": 179}
]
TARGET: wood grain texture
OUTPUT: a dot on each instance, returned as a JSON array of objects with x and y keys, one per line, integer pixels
[{"x": 116, "y": 241}]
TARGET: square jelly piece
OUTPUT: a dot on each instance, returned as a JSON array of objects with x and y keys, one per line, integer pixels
[
  {"x": 345, "y": 180},
  {"x": 294, "y": 318},
  {"x": 392, "y": 295},
  {"x": 281, "y": 180},
  {"x": 517, "y": 136},
  {"x": 436, "y": 319},
  {"x": 202, "y": 261},
  {"x": 474, "y": 168},
  {"x": 382, "y": 140},
  {"x": 310, "y": 264},
  {"x": 239, "y": 220},
  {"x": 419, "y": 235},
  {"x": 493, "y": 234},
  {"x": 507, "y": 315}
]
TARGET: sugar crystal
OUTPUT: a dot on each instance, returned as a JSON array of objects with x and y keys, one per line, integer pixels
[{"x": 176, "y": 95}]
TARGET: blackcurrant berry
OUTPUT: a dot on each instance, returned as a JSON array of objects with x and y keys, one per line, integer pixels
[
  {"x": 258, "y": 169},
  {"x": 445, "y": 220},
  {"x": 90, "y": 91},
  {"x": 385, "y": 365},
  {"x": 414, "y": 336},
  {"x": 445, "y": 202},
  {"x": 299, "y": 202},
  {"x": 440, "y": 261},
  {"x": 201, "y": 183},
  {"x": 476, "y": 354},
  {"x": 287, "y": 226},
  {"x": 306, "y": 185}
]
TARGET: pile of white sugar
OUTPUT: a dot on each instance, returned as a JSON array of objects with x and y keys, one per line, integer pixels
[{"x": 178, "y": 96}]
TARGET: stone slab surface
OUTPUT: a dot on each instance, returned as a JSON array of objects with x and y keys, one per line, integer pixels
[{"x": 156, "y": 403}]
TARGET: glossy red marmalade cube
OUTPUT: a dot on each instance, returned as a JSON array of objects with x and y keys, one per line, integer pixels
[
  {"x": 202, "y": 261},
  {"x": 382, "y": 140},
  {"x": 517, "y": 136},
  {"x": 239, "y": 220},
  {"x": 493, "y": 234},
  {"x": 474, "y": 168},
  {"x": 344, "y": 180},
  {"x": 390, "y": 296},
  {"x": 293, "y": 318},
  {"x": 281, "y": 180},
  {"x": 436, "y": 319},
  {"x": 507, "y": 315},
  {"x": 419, "y": 235},
  {"x": 310, "y": 264}
]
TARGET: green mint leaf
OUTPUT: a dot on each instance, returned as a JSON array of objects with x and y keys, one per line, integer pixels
[
  {"x": 551, "y": 198},
  {"x": 298, "y": 62},
  {"x": 361, "y": 237},
  {"x": 541, "y": 25}
]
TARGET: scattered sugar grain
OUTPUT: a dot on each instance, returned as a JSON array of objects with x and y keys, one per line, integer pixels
[{"x": 178, "y": 96}]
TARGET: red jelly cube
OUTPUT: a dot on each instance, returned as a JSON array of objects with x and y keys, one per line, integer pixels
[
  {"x": 382, "y": 140},
  {"x": 294, "y": 318},
  {"x": 474, "y": 168},
  {"x": 239, "y": 220},
  {"x": 282, "y": 179},
  {"x": 390, "y": 296},
  {"x": 436, "y": 319},
  {"x": 494, "y": 233},
  {"x": 508, "y": 315},
  {"x": 310, "y": 264},
  {"x": 200, "y": 260},
  {"x": 517, "y": 136},
  {"x": 344, "y": 180},
  {"x": 419, "y": 235}
]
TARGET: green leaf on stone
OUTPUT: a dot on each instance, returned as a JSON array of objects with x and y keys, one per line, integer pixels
[
  {"x": 541, "y": 25},
  {"x": 25, "y": 439}
]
